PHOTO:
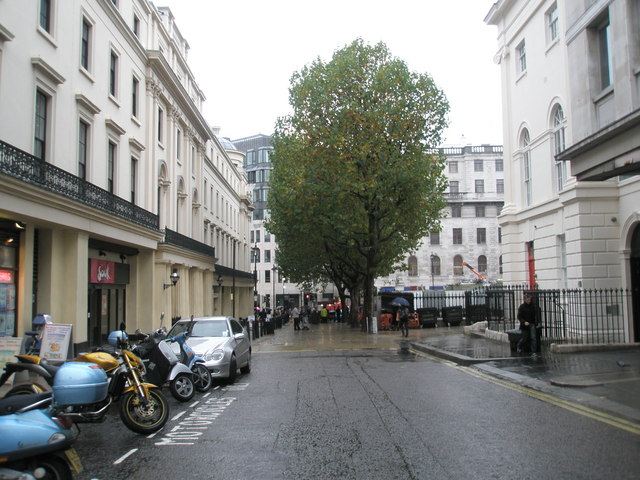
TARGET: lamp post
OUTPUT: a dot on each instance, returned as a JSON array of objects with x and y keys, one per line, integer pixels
[
  {"x": 174, "y": 277},
  {"x": 432, "y": 259},
  {"x": 273, "y": 284},
  {"x": 256, "y": 251},
  {"x": 284, "y": 279},
  {"x": 220, "y": 280}
]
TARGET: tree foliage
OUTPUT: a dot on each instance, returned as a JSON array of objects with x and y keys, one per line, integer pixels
[{"x": 355, "y": 183}]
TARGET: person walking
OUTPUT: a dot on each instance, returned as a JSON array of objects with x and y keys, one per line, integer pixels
[
  {"x": 403, "y": 318},
  {"x": 528, "y": 317},
  {"x": 323, "y": 314},
  {"x": 295, "y": 314}
]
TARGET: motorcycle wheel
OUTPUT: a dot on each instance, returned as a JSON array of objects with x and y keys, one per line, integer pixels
[
  {"x": 182, "y": 387},
  {"x": 25, "y": 389},
  {"x": 201, "y": 377},
  {"x": 142, "y": 418},
  {"x": 54, "y": 468}
]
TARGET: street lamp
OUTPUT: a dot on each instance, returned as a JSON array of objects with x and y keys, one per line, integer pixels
[
  {"x": 284, "y": 279},
  {"x": 256, "y": 251},
  {"x": 433, "y": 257},
  {"x": 220, "y": 280},
  {"x": 174, "y": 277}
]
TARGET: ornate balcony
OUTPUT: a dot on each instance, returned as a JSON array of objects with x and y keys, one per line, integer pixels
[{"x": 27, "y": 168}]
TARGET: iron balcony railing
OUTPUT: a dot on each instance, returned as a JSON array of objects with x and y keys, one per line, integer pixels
[
  {"x": 178, "y": 240},
  {"x": 25, "y": 167}
]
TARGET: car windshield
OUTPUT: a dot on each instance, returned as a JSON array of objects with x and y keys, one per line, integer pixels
[
  {"x": 215, "y": 328},
  {"x": 208, "y": 328}
]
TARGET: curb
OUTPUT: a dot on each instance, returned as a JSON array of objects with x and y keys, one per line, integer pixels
[{"x": 454, "y": 357}]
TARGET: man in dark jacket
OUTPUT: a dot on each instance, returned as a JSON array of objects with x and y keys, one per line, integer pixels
[{"x": 528, "y": 317}]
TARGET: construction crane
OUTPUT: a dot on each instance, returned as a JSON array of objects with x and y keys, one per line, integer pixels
[{"x": 478, "y": 274}]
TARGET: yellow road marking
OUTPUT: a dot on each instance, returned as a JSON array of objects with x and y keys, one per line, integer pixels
[{"x": 621, "y": 423}]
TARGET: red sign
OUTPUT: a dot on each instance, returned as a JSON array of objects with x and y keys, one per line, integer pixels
[
  {"x": 6, "y": 276},
  {"x": 101, "y": 271}
]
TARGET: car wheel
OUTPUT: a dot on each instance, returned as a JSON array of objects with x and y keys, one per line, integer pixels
[
  {"x": 247, "y": 368},
  {"x": 233, "y": 369}
]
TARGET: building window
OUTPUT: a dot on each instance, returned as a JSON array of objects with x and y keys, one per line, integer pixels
[
  {"x": 412, "y": 263},
  {"x": 83, "y": 149},
  {"x": 267, "y": 256},
  {"x": 85, "y": 44},
  {"x": 178, "y": 143},
  {"x": 479, "y": 186},
  {"x": 457, "y": 236},
  {"x": 111, "y": 166},
  {"x": 457, "y": 265},
  {"x": 134, "y": 178},
  {"x": 499, "y": 165},
  {"x": 480, "y": 211},
  {"x": 454, "y": 186},
  {"x": 456, "y": 211},
  {"x": 604, "y": 53},
  {"x": 267, "y": 276},
  {"x": 478, "y": 166},
  {"x": 113, "y": 74},
  {"x": 453, "y": 166},
  {"x": 160, "y": 124},
  {"x": 499, "y": 235},
  {"x": 526, "y": 167},
  {"x": 481, "y": 236},
  {"x": 41, "y": 124},
  {"x": 45, "y": 15},
  {"x": 552, "y": 23},
  {"x": 500, "y": 185},
  {"x": 434, "y": 238},
  {"x": 257, "y": 236},
  {"x": 136, "y": 25},
  {"x": 559, "y": 124},
  {"x": 267, "y": 236},
  {"x": 482, "y": 264},
  {"x": 521, "y": 53},
  {"x": 135, "y": 87},
  {"x": 500, "y": 265}
]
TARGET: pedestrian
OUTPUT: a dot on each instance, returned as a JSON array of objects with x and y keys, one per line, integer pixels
[
  {"x": 295, "y": 314},
  {"x": 338, "y": 314},
  {"x": 305, "y": 318},
  {"x": 323, "y": 314},
  {"x": 528, "y": 317},
  {"x": 403, "y": 318}
]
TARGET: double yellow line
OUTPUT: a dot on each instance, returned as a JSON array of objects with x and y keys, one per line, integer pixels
[{"x": 621, "y": 423}]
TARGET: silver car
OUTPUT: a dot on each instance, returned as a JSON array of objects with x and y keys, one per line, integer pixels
[{"x": 222, "y": 342}]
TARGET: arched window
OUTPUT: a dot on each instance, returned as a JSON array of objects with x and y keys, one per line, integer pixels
[
  {"x": 482, "y": 264},
  {"x": 435, "y": 265},
  {"x": 559, "y": 125},
  {"x": 525, "y": 140},
  {"x": 412, "y": 262},
  {"x": 457, "y": 265}
]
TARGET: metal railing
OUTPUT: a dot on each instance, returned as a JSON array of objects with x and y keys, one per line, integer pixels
[
  {"x": 29, "y": 169},
  {"x": 178, "y": 240},
  {"x": 581, "y": 316}
]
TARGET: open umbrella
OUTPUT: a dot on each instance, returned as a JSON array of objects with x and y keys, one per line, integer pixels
[{"x": 400, "y": 302}]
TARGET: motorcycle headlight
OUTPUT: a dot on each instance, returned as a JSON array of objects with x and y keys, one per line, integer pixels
[{"x": 214, "y": 355}]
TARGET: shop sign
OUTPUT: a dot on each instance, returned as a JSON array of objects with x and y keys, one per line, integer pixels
[
  {"x": 6, "y": 276},
  {"x": 101, "y": 271}
]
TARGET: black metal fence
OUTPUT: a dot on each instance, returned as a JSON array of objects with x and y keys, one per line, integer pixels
[{"x": 566, "y": 316}]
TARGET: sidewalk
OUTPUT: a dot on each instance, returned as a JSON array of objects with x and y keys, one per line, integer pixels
[{"x": 604, "y": 378}]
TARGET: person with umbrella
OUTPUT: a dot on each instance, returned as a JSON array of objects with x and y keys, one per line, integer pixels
[{"x": 403, "y": 314}]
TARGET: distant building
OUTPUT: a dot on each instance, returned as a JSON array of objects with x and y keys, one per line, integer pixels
[{"x": 470, "y": 232}]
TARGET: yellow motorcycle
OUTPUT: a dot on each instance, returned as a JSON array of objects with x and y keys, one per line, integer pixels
[{"x": 143, "y": 407}]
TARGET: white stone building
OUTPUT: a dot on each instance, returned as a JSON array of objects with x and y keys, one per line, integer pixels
[
  {"x": 108, "y": 173},
  {"x": 571, "y": 98},
  {"x": 470, "y": 233}
]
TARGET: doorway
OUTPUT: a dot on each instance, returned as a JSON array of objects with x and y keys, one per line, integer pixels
[
  {"x": 106, "y": 312},
  {"x": 634, "y": 268}
]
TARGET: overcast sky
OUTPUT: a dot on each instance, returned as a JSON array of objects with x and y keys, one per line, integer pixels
[{"x": 243, "y": 53}]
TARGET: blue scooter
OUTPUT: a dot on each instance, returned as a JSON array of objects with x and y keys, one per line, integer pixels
[
  {"x": 201, "y": 375},
  {"x": 35, "y": 440}
]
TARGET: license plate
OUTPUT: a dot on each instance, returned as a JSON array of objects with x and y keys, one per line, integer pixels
[{"x": 74, "y": 459}]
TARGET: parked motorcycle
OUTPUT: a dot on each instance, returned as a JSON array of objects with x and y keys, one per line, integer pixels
[
  {"x": 143, "y": 407},
  {"x": 201, "y": 374},
  {"x": 162, "y": 365},
  {"x": 36, "y": 433}
]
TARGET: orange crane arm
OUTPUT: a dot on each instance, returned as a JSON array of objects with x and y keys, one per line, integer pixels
[{"x": 472, "y": 269}]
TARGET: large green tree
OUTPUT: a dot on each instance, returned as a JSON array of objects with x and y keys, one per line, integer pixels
[{"x": 356, "y": 183}]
